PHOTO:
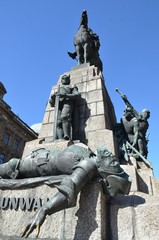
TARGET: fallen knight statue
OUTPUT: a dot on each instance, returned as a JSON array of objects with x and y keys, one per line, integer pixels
[{"x": 79, "y": 164}]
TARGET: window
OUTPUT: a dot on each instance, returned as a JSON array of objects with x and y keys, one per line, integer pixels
[
  {"x": 16, "y": 144},
  {"x": 2, "y": 157},
  {"x": 6, "y": 138}
]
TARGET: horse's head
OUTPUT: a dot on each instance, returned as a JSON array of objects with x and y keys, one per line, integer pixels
[{"x": 84, "y": 19}]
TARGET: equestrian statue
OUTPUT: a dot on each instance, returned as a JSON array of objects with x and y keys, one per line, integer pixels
[{"x": 86, "y": 44}]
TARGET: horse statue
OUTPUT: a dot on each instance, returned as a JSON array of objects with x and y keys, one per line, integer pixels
[{"x": 86, "y": 44}]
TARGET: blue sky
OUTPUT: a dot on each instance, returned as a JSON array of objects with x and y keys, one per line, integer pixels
[{"x": 35, "y": 36}]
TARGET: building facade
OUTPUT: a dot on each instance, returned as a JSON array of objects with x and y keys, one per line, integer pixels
[{"x": 14, "y": 133}]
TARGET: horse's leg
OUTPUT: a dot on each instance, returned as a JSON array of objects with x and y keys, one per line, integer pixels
[
  {"x": 79, "y": 51},
  {"x": 86, "y": 52}
]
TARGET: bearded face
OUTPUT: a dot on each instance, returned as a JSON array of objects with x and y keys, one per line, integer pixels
[{"x": 114, "y": 179}]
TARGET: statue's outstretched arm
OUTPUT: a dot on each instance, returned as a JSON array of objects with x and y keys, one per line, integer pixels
[
  {"x": 72, "y": 184},
  {"x": 56, "y": 203},
  {"x": 128, "y": 104},
  {"x": 35, "y": 224},
  {"x": 66, "y": 197}
]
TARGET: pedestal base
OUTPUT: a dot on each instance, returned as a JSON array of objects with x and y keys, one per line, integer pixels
[{"x": 85, "y": 221}]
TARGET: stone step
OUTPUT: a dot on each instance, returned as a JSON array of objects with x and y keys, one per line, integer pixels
[
  {"x": 134, "y": 217},
  {"x": 142, "y": 179},
  {"x": 155, "y": 182}
]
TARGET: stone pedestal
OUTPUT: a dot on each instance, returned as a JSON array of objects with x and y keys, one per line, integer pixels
[
  {"x": 36, "y": 144},
  {"x": 95, "y": 123},
  {"x": 85, "y": 221},
  {"x": 134, "y": 217},
  {"x": 95, "y": 110},
  {"x": 94, "y": 218}
]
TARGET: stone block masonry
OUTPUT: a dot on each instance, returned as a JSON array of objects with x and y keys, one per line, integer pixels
[
  {"x": 95, "y": 109},
  {"x": 85, "y": 221}
]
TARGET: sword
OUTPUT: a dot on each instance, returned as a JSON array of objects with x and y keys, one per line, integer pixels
[{"x": 57, "y": 99}]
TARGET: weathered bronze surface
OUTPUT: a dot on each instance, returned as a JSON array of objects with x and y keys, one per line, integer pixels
[
  {"x": 64, "y": 101},
  {"x": 131, "y": 133},
  {"x": 80, "y": 166},
  {"x": 86, "y": 44}
]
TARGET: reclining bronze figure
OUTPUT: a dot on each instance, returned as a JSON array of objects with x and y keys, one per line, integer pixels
[{"x": 80, "y": 166}]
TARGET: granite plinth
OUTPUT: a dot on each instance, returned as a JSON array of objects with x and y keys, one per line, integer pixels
[{"x": 85, "y": 221}]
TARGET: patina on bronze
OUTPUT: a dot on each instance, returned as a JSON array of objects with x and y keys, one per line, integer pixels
[
  {"x": 80, "y": 165},
  {"x": 64, "y": 101},
  {"x": 86, "y": 44},
  {"x": 131, "y": 133}
]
